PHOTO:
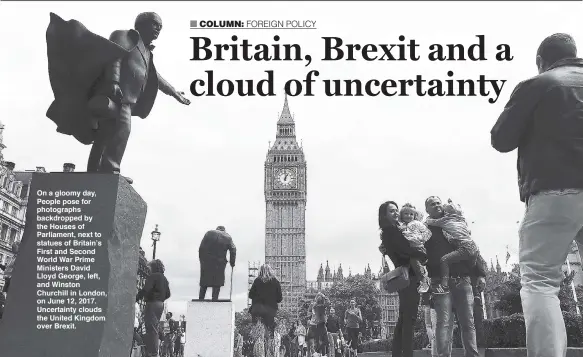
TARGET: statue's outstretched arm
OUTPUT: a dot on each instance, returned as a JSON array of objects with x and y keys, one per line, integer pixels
[{"x": 165, "y": 87}]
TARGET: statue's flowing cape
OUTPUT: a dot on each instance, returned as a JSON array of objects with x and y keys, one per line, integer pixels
[{"x": 76, "y": 60}]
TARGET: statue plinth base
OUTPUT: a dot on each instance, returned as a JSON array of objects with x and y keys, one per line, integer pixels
[
  {"x": 211, "y": 329},
  {"x": 73, "y": 286}
]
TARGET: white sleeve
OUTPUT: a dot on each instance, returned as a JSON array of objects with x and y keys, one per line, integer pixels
[{"x": 422, "y": 229}]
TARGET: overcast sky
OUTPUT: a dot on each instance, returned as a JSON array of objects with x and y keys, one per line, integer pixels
[{"x": 202, "y": 166}]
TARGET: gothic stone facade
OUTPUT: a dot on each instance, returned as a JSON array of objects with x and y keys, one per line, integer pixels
[
  {"x": 13, "y": 200},
  {"x": 285, "y": 199}
]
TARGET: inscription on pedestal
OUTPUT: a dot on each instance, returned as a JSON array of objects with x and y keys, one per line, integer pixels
[
  {"x": 69, "y": 240},
  {"x": 74, "y": 283}
]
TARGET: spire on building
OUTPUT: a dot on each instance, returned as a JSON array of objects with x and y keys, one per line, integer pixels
[
  {"x": 491, "y": 265},
  {"x": 339, "y": 273},
  {"x": 285, "y": 117},
  {"x": 286, "y": 132},
  {"x": 498, "y": 267},
  {"x": 349, "y": 272},
  {"x": 320, "y": 274},
  {"x": 368, "y": 272},
  {"x": 327, "y": 276}
]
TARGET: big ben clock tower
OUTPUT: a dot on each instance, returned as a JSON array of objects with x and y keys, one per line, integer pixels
[{"x": 285, "y": 203}]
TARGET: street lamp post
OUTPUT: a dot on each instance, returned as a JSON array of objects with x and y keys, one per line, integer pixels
[{"x": 155, "y": 240}]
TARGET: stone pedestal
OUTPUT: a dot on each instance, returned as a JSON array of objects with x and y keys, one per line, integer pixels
[
  {"x": 75, "y": 303},
  {"x": 211, "y": 329}
]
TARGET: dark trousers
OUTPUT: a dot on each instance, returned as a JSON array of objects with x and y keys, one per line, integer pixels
[
  {"x": 138, "y": 340},
  {"x": 202, "y": 292},
  {"x": 403, "y": 336},
  {"x": 110, "y": 143},
  {"x": 293, "y": 349},
  {"x": 177, "y": 346},
  {"x": 152, "y": 314},
  {"x": 321, "y": 338},
  {"x": 352, "y": 333},
  {"x": 479, "y": 319}
]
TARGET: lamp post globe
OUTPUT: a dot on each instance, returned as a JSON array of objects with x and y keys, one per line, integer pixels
[{"x": 155, "y": 239}]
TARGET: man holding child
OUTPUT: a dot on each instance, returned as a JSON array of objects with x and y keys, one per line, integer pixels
[{"x": 460, "y": 295}]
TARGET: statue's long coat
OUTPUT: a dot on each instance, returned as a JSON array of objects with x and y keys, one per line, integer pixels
[
  {"x": 212, "y": 254},
  {"x": 77, "y": 59}
]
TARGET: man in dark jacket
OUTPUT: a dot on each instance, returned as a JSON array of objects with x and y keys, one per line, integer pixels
[
  {"x": 544, "y": 121},
  {"x": 212, "y": 255},
  {"x": 460, "y": 296}
]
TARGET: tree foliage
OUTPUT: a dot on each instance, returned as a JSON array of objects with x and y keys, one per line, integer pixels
[
  {"x": 509, "y": 293},
  {"x": 243, "y": 323},
  {"x": 566, "y": 293}
]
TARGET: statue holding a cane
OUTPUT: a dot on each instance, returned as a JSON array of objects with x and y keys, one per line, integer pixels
[{"x": 212, "y": 256}]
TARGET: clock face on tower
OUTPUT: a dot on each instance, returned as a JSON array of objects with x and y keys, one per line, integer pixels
[{"x": 285, "y": 178}]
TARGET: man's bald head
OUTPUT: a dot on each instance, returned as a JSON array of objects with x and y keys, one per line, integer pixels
[
  {"x": 149, "y": 25},
  {"x": 433, "y": 207},
  {"x": 147, "y": 17}
]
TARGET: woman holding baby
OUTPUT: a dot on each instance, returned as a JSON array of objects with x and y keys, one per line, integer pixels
[{"x": 397, "y": 247}]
